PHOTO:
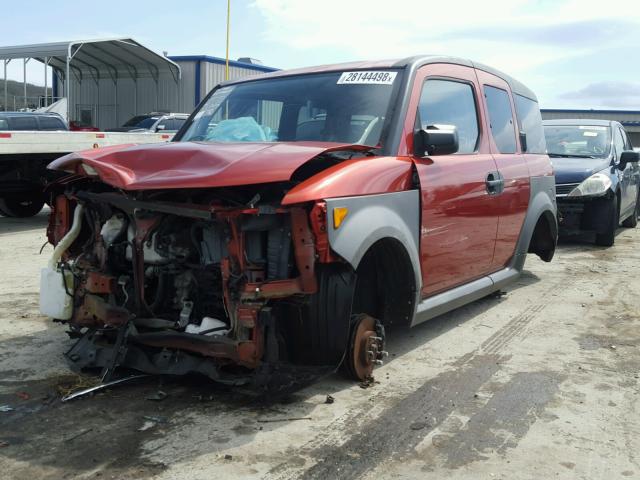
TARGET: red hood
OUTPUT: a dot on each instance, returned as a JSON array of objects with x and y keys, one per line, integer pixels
[{"x": 197, "y": 165}]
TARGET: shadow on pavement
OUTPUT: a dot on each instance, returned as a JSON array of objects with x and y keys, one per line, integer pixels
[{"x": 10, "y": 225}]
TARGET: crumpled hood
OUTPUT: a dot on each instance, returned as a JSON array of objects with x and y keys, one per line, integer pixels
[
  {"x": 575, "y": 170},
  {"x": 197, "y": 164}
]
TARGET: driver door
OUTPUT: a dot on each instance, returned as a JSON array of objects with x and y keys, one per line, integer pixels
[{"x": 458, "y": 213}]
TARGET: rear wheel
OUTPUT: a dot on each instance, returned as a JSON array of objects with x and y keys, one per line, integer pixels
[
  {"x": 21, "y": 206},
  {"x": 632, "y": 221},
  {"x": 610, "y": 211}
]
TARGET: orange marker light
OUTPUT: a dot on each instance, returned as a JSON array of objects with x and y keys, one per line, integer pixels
[{"x": 339, "y": 215}]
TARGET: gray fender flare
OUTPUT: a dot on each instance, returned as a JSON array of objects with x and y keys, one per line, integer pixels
[
  {"x": 542, "y": 199},
  {"x": 374, "y": 217}
]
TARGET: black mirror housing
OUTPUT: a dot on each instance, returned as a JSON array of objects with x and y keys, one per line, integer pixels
[
  {"x": 435, "y": 140},
  {"x": 629, "y": 156}
]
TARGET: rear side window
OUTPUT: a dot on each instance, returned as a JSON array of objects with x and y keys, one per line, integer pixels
[
  {"x": 530, "y": 122},
  {"x": 23, "y": 123},
  {"x": 501, "y": 119},
  {"x": 51, "y": 123},
  {"x": 449, "y": 102},
  {"x": 4, "y": 125}
]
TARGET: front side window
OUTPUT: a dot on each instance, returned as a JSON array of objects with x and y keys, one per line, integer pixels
[
  {"x": 177, "y": 123},
  {"x": 4, "y": 125},
  {"x": 345, "y": 107},
  {"x": 586, "y": 141},
  {"x": 530, "y": 122},
  {"x": 141, "y": 121},
  {"x": 618, "y": 142},
  {"x": 448, "y": 102},
  {"x": 627, "y": 141},
  {"x": 501, "y": 119}
]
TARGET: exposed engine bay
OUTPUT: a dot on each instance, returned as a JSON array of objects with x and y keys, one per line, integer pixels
[{"x": 219, "y": 282}]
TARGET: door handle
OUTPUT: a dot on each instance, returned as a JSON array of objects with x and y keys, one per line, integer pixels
[{"x": 494, "y": 183}]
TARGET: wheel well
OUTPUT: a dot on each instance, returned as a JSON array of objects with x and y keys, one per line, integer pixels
[
  {"x": 385, "y": 283},
  {"x": 544, "y": 237}
]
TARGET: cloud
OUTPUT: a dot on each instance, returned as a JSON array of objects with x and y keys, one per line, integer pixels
[
  {"x": 536, "y": 41},
  {"x": 608, "y": 93}
]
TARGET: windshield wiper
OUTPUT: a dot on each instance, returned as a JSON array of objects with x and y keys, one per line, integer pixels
[{"x": 568, "y": 155}]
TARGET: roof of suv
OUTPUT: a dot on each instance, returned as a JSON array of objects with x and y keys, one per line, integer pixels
[
  {"x": 406, "y": 63},
  {"x": 27, "y": 114},
  {"x": 578, "y": 121}
]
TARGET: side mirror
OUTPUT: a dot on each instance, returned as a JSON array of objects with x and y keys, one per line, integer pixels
[
  {"x": 435, "y": 140},
  {"x": 523, "y": 141},
  {"x": 628, "y": 156},
  {"x": 160, "y": 128}
]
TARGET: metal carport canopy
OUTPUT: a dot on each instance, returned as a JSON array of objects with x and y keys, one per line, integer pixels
[{"x": 113, "y": 58}]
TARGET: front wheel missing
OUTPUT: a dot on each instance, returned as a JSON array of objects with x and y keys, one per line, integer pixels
[{"x": 366, "y": 347}]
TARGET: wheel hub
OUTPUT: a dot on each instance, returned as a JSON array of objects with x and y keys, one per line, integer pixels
[{"x": 367, "y": 346}]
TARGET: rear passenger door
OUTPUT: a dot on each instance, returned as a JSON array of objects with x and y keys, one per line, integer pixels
[
  {"x": 627, "y": 187},
  {"x": 458, "y": 221},
  {"x": 634, "y": 172},
  {"x": 513, "y": 199}
]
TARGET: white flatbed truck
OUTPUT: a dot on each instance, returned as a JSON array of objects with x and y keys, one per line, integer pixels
[{"x": 24, "y": 156}]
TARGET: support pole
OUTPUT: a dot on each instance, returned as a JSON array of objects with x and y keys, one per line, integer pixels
[
  {"x": 46, "y": 82},
  {"x": 6, "y": 96},
  {"x": 226, "y": 68},
  {"x": 116, "y": 100},
  {"x": 67, "y": 85},
  {"x": 24, "y": 79}
]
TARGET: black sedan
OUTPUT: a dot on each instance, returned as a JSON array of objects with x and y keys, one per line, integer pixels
[{"x": 597, "y": 176}]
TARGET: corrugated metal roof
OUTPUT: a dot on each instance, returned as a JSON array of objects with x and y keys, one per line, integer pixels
[{"x": 98, "y": 58}]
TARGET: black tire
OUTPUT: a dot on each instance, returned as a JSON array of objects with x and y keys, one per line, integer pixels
[
  {"x": 327, "y": 317},
  {"x": 632, "y": 221},
  {"x": 612, "y": 220},
  {"x": 21, "y": 206}
]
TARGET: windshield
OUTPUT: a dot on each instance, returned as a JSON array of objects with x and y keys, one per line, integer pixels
[
  {"x": 141, "y": 121},
  {"x": 345, "y": 107},
  {"x": 578, "y": 140}
]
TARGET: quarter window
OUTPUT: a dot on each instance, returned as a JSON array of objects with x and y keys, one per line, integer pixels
[
  {"x": 51, "y": 123},
  {"x": 530, "y": 122},
  {"x": 501, "y": 119},
  {"x": 448, "y": 102}
]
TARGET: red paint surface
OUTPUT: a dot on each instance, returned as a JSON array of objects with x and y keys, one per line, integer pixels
[
  {"x": 361, "y": 176},
  {"x": 459, "y": 217},
  {"x": 5, "y": 135},
  {"x": 196, "y": 165},
  {"x": 514, "y": 200}
]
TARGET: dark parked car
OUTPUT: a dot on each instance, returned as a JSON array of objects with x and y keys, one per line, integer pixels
[
  {"x": 153, "y": 122},
  {"x": 31, "y": 121},
  {"x": 597, "y": 176}
]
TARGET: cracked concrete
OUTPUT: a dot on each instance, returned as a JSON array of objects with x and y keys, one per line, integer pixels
[{"x": 540, "y": 383}]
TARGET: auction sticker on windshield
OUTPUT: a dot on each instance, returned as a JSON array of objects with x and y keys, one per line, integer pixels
[{"x": 367, "y": 77}]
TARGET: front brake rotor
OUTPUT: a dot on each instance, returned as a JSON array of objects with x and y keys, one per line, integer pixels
[{"x": 366, "y": 347}]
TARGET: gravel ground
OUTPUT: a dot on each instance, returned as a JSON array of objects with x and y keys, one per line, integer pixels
[{"x": 539, "y": 383}]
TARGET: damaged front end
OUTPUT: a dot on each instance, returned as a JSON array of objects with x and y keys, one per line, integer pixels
[{"x": 183, "y": 281}]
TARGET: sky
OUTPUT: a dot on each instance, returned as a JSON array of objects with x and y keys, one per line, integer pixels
[{"x": 572, "y": 53}]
